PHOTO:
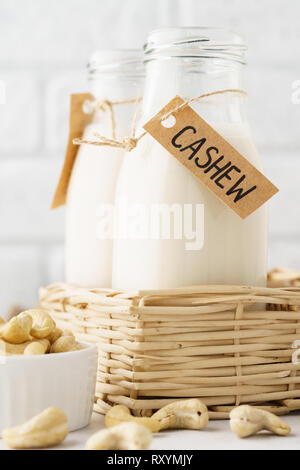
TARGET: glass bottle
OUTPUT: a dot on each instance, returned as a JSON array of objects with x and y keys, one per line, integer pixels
[
  {"x": 116, "y": 76},
  {"x": 228, "y": 250}
]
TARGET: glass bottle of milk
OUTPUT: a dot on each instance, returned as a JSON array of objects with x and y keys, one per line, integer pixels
[
  {"x": 182, "y": 233},
  {"x": 117, "y": 76}
]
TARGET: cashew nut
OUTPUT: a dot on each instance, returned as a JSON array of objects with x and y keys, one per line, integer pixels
[
  {"x": 54, "y": 335},
  {"x": 119, "y": 414},
  {"x": 17, "y": 330},
  {"x": 37, "y": 347},
  {"x": 63, "y": 344},
  {"x": 42, "y": 323},
  {"x": 142, "y": 413},
  {"x": 77, "y": 347},
  {"x": 47, "y": 429},
  {"x": 185, "y": 414},
  {"x": 8, "y": 349},
  {"x": 125, "y": 436},
  {"x": 68, "y": 333},
  {"x": 247, "y": 420}
]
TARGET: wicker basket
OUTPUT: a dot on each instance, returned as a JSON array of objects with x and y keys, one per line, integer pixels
[{"x": 224, "y": 344}]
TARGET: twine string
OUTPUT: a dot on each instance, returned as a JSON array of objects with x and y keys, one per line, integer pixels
[
  {"x": 200, "y": 97},
  {"x": 91, "y": 106},
  {"x": 108, "y": 106},
  {"x": 130, "y": 142}
]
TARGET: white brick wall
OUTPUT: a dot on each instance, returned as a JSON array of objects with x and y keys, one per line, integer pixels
[
  {"x": 20, "y": 118},
  {"x": 284, "y": 171},
  {"x": 20, "y": 275},
  {"x": 275, "y": 120},
  {"x": 26, "y": 188},
  {"x": 44, "y": 48},
  {"x": 54, "y": 264},
  {"x": 57, "y": 100}
]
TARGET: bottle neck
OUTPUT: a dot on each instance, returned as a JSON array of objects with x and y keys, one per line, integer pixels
[
  {"x": 190, "y": 77},
  {"x": 116, "y": 89}
]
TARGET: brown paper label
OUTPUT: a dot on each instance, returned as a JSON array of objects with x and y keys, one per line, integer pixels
[
  {"x": 78, "y": 121},
  {"x": 210, "y": 158}
]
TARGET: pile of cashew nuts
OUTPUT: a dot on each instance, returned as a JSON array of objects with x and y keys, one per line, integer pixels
[
  {"x": 34, "y": 332},
  {"x": 126, "y": 432}
]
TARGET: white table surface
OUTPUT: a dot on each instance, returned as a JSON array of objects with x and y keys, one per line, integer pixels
[{"x": 216, "y": 436}]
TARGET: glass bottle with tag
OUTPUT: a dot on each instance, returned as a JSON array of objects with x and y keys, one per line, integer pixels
[
  {"x": 177, "y": 232},
  {"x": 117, "y": 77}
]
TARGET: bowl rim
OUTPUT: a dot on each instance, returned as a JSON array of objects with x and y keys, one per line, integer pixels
[{"x": 88, "y": 347}]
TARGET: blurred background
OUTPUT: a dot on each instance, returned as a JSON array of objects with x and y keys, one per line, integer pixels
[{"x": 44, "y": 48}]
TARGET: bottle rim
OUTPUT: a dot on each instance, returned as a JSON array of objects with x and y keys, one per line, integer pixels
[
  {"x": 116, "y": 61},
  {"x": 195, "y": 42}
]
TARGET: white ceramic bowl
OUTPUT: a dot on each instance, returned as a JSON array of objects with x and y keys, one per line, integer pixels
[{"x": 29, "y": 384}]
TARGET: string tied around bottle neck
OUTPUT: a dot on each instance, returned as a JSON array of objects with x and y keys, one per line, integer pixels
[
  {"x": 130, "y": 142},
  {"x": 105, "y": 105}
]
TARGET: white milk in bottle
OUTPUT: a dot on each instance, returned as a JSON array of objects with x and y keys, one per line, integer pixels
[
  {"x": 207, "y": 243},
  {"x": 115, "y": 76}
]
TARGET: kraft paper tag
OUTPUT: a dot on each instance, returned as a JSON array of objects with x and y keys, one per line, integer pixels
[
  {"x": 210, "y": 158},
  {"x": 78, "y": 121}
]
